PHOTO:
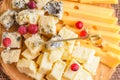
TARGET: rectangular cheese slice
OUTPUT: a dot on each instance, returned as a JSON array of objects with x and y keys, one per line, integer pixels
[
  {"x": 100, "y": 1},
  {"x": 83, "y": 54},
  {"x": 90, "y": 16},
  {"x": 57, "y": 71},
  {"x": 69, "y": 74},
  {"x": 26, "y": 53},
  {"x": 26, "y": 66},
  {"x": 33, "y": 43},
  {"x": 44, "y": 64},
  {"x": 10, "y": 56},
  {"x": 68, "y": 45},
  {"x": 90, "y": 24},
  {"x": 92, "y": 64},
  {"x": 88, "y": 8}
]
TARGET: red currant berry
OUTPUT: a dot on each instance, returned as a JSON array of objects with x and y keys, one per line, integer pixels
[
  {"x": 83, "y": 33},
  {"x": 32, "y": 28},
  {"x": 79, "y": 25},
  {"x": 32, "y": 4},
  {"x": 6, "y": 42},
  {"x": 22, "y": 30},
  {"x": 74, "y": 67}
]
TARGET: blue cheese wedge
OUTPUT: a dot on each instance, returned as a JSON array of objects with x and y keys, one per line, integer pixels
[
  {"x": 26, "y": 66},
  {"x": 92, "y": 64},
  {"x": 69, "y": 74},
  {"x": 54, "y": 8},
  {"x": 54, "y": 45},
  {"x": 41, "y": 3},
  {"x": 15, "y": 37},
  {"x": 33, "y": 44},
  {"x": 57, "y": 71},
  {"x": 47, "y": 25},
  {"x": 10, "y": 56},
  {"x": 18, "y": 4},
  {"x": 44, "y": 64},
  {"x": 30, "y": 16},
  {"x": 26, "y": 54},
  {"x": 67, "y": 45},
  {"x": 83, "y": 54},
  {"x": 7, "y": 18}
]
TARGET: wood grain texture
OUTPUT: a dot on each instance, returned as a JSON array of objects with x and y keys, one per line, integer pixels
[{"x": 103, "y": 72}]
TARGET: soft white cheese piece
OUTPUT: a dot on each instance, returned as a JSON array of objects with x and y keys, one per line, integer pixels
[
  {"x": 29, "y": 16},
  {"x": 7, "y": 18},
  {"x": 44, "y": 64},
  {"x": 26, "y": 66},
  {"x": 26, "y": 53},
  {"x": 67, "y": 45},
  {"x": 92, "y": 64},
  {"x": 54, "y": 8},
  {"x": 55, "y": 54},
  {"x": 33, "y": 43},
  {"x": 47, "y": 25},
  {"x": 19, "y": 3},
  {"x": 10, "y": 56},
  {"x": 69, "y": 74},
  {"x": 41, "y": 3},
  {"x": 83, "y": 75},
  {"x": 15, "y": 37},
  {"x": 83, "y": 54},
  {"x": 57, "y": 71}
]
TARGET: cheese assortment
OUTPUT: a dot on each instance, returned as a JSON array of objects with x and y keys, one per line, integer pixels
[{"x": 42, "y": 24}]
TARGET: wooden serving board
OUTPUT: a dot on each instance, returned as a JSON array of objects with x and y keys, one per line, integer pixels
[{"x": 103, "y": 72}]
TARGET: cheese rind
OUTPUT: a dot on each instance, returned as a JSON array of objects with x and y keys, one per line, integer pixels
[
  {"x": 10, "y": 56},
  {"x": 57, "y": 71}
]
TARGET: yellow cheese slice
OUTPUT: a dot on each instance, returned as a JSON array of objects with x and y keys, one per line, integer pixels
[{"x": 88, "y": 8}]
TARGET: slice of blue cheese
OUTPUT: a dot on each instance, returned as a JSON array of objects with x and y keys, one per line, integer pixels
[
  {"x": 7, "y": 18},
  {"x": 18, "y": 4},
  {"x": 47, "y": 25},
  {"x": 54, "y": 8},
  {"x": 15, "y": 37},
  {"x": 10, "y": 56},
  {"x": 33, "y": 44},
  {"x": 30, "y": 16}
]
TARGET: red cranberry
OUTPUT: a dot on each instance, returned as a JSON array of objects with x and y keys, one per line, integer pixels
[
  {"x": 79, "y": 25},
  {"x": 22, "y": 30},
  {"x": 32, "y": 28},
  {"x": 6, "y": 42},
  {"x": 32, "y": 4},
  {"x": 83, "y": 33},
  {"x": 74, "y": 67}
]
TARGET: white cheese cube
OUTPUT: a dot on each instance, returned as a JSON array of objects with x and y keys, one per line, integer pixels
[
  {"x": 83, "y": 75},
  {"x": 57, "y": 71},
  {"x": 44, "y": 63},
  {"x": 83, "y": 54},
  {"x": 54, "y": 8},
  {"x": 33, "y": 43},
  {"x": 29, "y": 16},
  {"x": 41, "y": 3},
  {"x": 67, "y": 45},
  {"x": 92, "y": 64},
  {"x": 10, "y": 56},
  {"x": 15, "y": 37},
  {"x": 69, "y": 74},
  {"x": 26, "y": 66},
  {"x": 47, "y": 25},
  {"x": 55, "y": 54},
  {"x": 19, "y": 3},
  {"x": 7, "y": 18},
  {"x": 26, "y": 53}
]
